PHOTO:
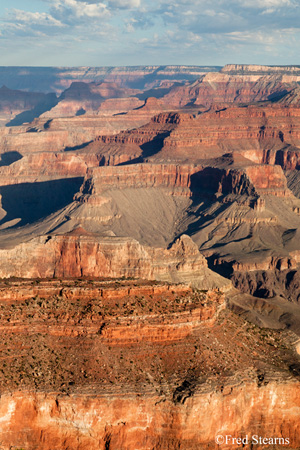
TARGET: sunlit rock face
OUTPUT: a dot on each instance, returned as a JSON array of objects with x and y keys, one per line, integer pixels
[
  {"x": 132, "y": 364},
  {"x": 149, "y": 254}
]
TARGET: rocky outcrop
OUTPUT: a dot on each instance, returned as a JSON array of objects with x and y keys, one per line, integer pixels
[
  {"x": 136, "y": 422},
  {"x": 186, "y": 180},
  {"x": 223, "y": 88},
  {"x": 246, "y": 69},
  {"x": 85, "y": 98},
  {"x": 45, "y": 166},
  {"x": 137, "y": 364},
  {"x": 82, "y": 254},
  {"x": 268, "y": 180},
  {"x": 15, "y": 102},
  {"x": 257, "y": 133},
  {"x": 177, "y": 178}
]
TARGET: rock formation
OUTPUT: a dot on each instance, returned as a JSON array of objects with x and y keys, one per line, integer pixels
[
  {"x": 223, "y": 88},
  {"x": 149, "y": 262},
  {"x": 126, "y": 364},
  {"x": 254, "y": 69},
  {"x": 18, "y": 106},
  {"x": 49, "y": 79}
]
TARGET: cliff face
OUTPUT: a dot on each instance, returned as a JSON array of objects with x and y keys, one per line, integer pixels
[
  {"x": 46, "y": 166},
  {"x": 82, "y": 98},
  {"x": 137, "y": 423},
  {"x": 185, "y": 179},
  {"x": 118, "y": 334},
  {"x": 100, "y": 364},
  {"x": 256, "y": 133},
  {"x": 218, "y": 88},
  {"x": 79, "y": 254},
  {"x": 175, "y": 177},
  {"x": 259, "y": 69},
  {"x": 238, "y": 127},
  {"x": 14, "y": 102}
]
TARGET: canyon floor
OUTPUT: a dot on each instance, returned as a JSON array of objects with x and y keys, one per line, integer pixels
[{"x": 149, "y": 260}]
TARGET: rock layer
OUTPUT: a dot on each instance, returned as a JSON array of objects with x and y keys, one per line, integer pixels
[
  {"x": 135, "y": 365},
  {"x": 79, "y": 254}
]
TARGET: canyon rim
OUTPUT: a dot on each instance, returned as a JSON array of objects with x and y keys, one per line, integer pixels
[{"x": 149, "y": 258}]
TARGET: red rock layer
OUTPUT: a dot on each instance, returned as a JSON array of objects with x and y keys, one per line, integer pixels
[
  {"x": 240, "y": 126},
  {"x": 135, "y": 365},
  {"x": 77, "y": 255},
  {"x": 175, "y": 177},
  {"x": 102, "y": 289},
  {"x": 218, "y": 88},
  {"x": 136, "y": 423},
  {"x": 88, "y": 256},
  {"x": 268, "y": 180},
  {"x": 46, "y": 166},
  {"x": 184, "y": 179},
  {"x": 255, "y": 132}
]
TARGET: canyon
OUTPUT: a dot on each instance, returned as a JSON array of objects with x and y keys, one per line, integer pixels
[
  {"x": 127, "y": 364},
  {"x": 149, "y": 257}
]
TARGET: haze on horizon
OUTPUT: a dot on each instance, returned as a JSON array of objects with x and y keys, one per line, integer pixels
[{"x": 145, "y": 32}]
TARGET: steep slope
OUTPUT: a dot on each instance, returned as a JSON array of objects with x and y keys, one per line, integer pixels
[
  {"x": 222, "y": 88},
  {"x": 81, "y": 98},
  {"x": 232, "y": 197},
  {"x": 118, "y": 329},
  {"x": 260, "y": 134},
  {"x": 124, "y": 364},
  {"x": 17, "y": 107}
]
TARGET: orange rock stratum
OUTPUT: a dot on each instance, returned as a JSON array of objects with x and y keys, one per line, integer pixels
[{"x": 149, "y": 260}]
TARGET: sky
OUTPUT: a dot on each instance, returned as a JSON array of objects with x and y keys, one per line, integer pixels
[{"x": 149, "y": 32}]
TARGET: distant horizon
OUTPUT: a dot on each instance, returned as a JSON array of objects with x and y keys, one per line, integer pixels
[{"x": 150, "y": 65}]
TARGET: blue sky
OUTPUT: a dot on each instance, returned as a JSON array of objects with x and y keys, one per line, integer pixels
[{"x": 146, "y": 32}]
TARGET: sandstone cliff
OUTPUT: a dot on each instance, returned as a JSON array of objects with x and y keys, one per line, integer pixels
[
  {"x": 135, "y": 365},
  {"x": 80, "y": 254},
  {"x": 259, "y": 69},
  {"x": 222, "y": 88},
  {"x": 96, "y": 358}
]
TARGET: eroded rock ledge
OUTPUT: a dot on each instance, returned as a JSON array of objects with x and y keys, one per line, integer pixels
[{"x": 109, "y": 364}]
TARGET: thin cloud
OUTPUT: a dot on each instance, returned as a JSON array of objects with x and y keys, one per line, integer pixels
[
  {"x": 117, "y": 4},
  {"x": 188, "y": 31},
  {"x": 73, "y": 11},
  {"x": 25, "y": 23},
  {"x": 64, "y": 16},
  {"x": 268, "y": 4},
  {"x": 45, "y": 19},
  {"x": 124, "y": 4}
]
